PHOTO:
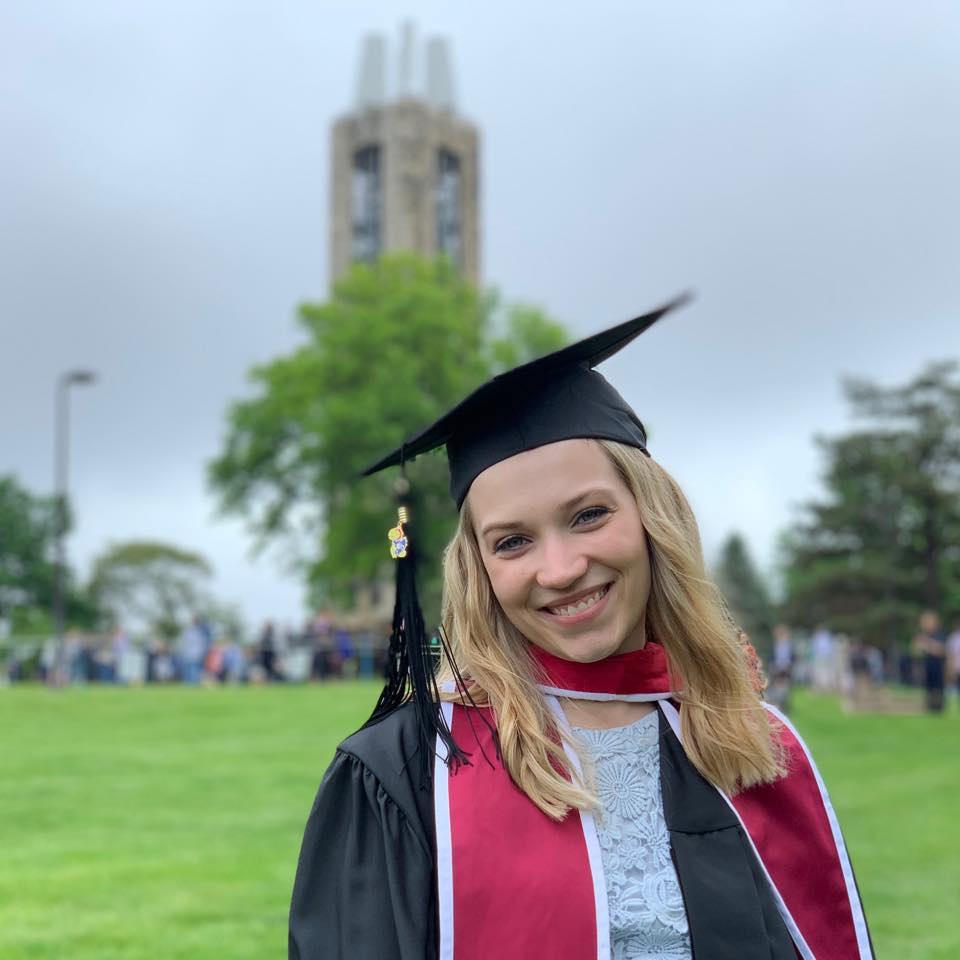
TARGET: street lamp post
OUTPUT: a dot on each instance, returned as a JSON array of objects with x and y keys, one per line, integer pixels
[{"x": 61, "y": 453}]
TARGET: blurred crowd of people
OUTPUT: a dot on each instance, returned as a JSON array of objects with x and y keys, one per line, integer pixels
[
  {"x": 831, "y": 662},
  {"x": 324, "y": 650},
  {"x": 200, "y": 654}
]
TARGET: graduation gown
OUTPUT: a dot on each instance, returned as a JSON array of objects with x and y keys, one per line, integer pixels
[{"x": 366, "y": 886}]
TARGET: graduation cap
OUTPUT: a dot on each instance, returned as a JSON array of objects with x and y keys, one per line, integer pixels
[{"x": 555, "y": 397}]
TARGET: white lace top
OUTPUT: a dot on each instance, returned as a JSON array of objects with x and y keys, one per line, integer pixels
[{"x": 647, "y": 917}]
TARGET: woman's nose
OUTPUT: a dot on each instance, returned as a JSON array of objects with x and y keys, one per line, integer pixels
[{"x": 561, "y": 564}]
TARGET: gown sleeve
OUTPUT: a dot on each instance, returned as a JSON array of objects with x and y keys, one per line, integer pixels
[{"x": 364, "y": 878}]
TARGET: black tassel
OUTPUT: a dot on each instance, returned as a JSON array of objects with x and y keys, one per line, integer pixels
[{"x": 411, "y": 671}]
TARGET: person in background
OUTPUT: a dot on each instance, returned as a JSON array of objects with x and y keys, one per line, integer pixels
[
  {"x": 267, "y": 649},
  {"x": 152, "y": 649},
  {"x": 876, "y": 663},
  {"x": 953, "y": 657},
  {"x": 47, "y": 662},
  {"x": 347, "y": 665},
  {"x": 213, "y": 667},
  {"x": 320, "y": 635},
  {"x": 234, "y": 662},
  {"x": 105, "y": 667},
  {"x": 781, "y": 668},
  {"x": 783, "y": 655},
  {"x": 365, "y": 654},
  {"x": 822, "y": 647},
  {"x": 191, "y": 649},
  {"x": 120, "y": 648},
  {"x": 87, "y": 665},
  {"x": 73, "y": 657},
  {"x": 861, "y": 670},
  {"x": 207, "y": 633},
  {"x": 165, "y": 667},
  {"x": 929, "y": 644}
]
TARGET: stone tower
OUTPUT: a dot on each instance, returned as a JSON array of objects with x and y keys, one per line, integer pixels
[{"x": 405, "y": 166}]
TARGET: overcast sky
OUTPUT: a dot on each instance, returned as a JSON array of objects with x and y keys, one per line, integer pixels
[{"x": 163, "y": 208}]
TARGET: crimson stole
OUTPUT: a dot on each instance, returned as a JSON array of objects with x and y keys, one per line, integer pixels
[{"x": 764, "y": 874}]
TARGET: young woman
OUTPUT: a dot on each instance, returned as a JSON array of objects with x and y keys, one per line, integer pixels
[{"x": 595, "y": 775}]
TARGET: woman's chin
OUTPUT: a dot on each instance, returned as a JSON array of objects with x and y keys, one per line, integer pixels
[{"x": 585, "y": 650}]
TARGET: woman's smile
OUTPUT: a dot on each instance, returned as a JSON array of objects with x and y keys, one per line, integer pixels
[{"x": 586, "y": 606}]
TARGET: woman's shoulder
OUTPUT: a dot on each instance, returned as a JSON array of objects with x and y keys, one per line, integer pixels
[
  {"x": 385, "y": 752},
  {"x": 382, "y": 743}
]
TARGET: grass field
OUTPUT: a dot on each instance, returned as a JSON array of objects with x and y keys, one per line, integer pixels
[{"x": 165, "y": 823}]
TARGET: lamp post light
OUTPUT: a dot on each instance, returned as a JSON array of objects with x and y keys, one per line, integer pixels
[{"x": 61, "y": 452}]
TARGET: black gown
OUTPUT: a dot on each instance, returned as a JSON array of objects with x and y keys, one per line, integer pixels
[
  {"x": 365, "y": 887},
  {"x": 366, "y": 884}
]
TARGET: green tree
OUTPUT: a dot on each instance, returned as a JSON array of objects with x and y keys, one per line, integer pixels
[
  {"x": 153, "y": 585},
  {"x": 885, "y": 540},
  {"x": 746, "y": 593},
  {"x": 27, "y": 525},
  {"x": 398, "y": 343}
]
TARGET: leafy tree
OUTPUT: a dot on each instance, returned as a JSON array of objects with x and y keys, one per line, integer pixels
[
  {"x": 27, "y": 568},
  {"x": 398, "y": 343},
  {"x": 746, "y": 592},
  {"x": 884, "y": 542},
  {"x": 26, "y": 557},
  {"x": 152, "y": 584}
]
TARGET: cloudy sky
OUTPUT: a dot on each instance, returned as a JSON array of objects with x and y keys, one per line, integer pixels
[{"x": 163, "y": 208}]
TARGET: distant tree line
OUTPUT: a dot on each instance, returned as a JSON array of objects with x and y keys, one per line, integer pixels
[
  {"x": 882, "y": 541},
  {"x": 155, "y": 586}
]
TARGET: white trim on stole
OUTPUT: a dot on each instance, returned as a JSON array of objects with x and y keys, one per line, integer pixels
[
  {"x": 589, "y": 827},
  {"x": 853, "y": 895},
  {"x": 441, "y": 812}
]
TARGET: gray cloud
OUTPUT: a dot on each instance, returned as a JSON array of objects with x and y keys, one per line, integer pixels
[{"x": 164, "y": 208}]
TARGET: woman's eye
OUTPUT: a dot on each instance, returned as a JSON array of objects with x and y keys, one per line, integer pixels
[
  {"x": 591, "y": 515},
  {"x": 509, "y": 544}
]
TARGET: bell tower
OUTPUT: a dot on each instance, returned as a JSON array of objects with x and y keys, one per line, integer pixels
[{"x": 405, "y": 164}]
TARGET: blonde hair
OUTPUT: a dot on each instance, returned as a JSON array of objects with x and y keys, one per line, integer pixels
[{"x": 726, "y": 733}]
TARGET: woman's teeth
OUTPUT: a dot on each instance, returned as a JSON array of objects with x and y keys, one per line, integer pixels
[{"x": 580, "y": 605}]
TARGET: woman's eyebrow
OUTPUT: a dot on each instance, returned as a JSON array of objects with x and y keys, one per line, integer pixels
[
  {"x": 494, "y": 527},
  {"x": 564, "y": 507}
]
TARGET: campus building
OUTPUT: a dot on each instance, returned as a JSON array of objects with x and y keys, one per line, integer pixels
[{"x": 405, "y": 164}]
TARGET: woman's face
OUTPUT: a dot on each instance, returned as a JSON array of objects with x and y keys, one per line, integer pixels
[{"x": 564, "y": 548}]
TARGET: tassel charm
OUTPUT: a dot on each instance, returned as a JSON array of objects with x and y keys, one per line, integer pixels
[
  {"x": 397, "y": 536},
  {"x": 410, "y": 661}
]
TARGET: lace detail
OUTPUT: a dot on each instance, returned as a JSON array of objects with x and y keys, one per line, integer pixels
[{"x": 647, "y": 917}]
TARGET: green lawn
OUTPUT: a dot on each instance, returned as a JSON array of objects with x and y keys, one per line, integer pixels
[{"x": 154, "y": 823}]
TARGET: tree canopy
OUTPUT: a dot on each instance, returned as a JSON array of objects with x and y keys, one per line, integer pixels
[
  {"x": 27, "y": 567},
  {"x": 152, "y": 585},
  {"x": 398, "y": 343},
  {"x": 884, "y": 541}
]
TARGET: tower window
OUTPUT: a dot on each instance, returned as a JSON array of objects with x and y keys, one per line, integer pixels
[
  {"x": 366, "y": 204},
  {"x": 448, "y": 190}
]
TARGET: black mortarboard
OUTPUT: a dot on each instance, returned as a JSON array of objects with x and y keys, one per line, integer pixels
[{"x": 555, "y": 397}]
